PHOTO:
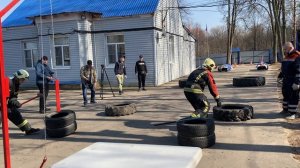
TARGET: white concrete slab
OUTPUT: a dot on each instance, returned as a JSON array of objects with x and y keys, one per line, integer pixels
[{"x": 120, "y": 155}]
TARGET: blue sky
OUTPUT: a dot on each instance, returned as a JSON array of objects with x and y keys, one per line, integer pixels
[{"x": 203, "y": 16}]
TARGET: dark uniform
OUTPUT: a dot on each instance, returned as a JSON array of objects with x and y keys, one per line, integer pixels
[
  {"x": 195, "y": 85},
  {"x": 141, "y": 70},
  {"x": 290, "y": 74},
  {"x": 13, "y": 105}
]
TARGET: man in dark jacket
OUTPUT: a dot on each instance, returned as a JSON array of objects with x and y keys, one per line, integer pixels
[
  {"x": 195, "y": 85},
  {"x": 290, "y": 74},
  {"x": 141, "y": 71},
  {"x": 13, "y": 104},
  {"x": 120, "y": 72},
  {"x": 43, "y": 76}
]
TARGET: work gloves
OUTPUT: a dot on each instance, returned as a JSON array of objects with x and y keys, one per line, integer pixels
[
  {"x": 13, "y": 103},
  {"x": 295, "y": 87},
  {"x": 219, "y": 103}
]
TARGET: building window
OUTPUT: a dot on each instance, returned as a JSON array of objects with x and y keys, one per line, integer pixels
[
  {"x": 62, "y": 53},
  {"x": 115, "y": 47},
  {"x": 31, "y": 54}
]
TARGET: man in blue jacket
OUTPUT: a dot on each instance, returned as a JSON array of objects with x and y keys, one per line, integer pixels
[{"x": 43, "y": 76}]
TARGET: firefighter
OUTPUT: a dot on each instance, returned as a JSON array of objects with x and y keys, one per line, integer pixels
[
  {"x": 13, "y": 104},
  {"x": 195, "y": 85},
  {"x": 290, "y": 75}
]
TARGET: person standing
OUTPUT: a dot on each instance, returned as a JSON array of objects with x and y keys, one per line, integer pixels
[
  {"x": 195, "y": 85},
  {"x": 43, "y": 76},
  {"x": 13, "y": 104},
  {"x": 120, "y": 72},
  {"x": 88, "y": 80},
  {"x": 141, "y": 71},
  {"x": 290, "y": 75}
]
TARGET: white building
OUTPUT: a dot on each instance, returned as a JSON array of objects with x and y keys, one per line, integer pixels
[{"x": 99, "y": 30}]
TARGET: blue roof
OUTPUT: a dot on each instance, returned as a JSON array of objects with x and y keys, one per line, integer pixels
[{"x": 108, "y": 8}]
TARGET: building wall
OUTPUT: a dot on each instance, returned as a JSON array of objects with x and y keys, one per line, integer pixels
[
  {"x": 77, "y": 51},
  {"x": 14, "y": 51},
  {"x": 92, "y": 44},
  {"x": 183, "y": 61},
  {"x": 136, "y": 43}
]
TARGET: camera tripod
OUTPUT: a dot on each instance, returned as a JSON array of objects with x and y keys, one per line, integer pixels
[{"x": 103, "y": 71}]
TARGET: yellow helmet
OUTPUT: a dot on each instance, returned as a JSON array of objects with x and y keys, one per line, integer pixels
[
  {"x": 209, "y": 63},
  {"x": 21, "y": 74}
]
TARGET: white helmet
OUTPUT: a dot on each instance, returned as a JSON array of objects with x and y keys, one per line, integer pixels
[{"x": 21, "y": 74}]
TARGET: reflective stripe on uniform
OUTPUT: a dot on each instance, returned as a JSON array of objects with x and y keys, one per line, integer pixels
[
  {"x": 192, "y": 90},
  {"x": 292, "y": 106},
  {"x": 206, "y": 107},
  {"x": 293, "y": 110},
  {"x": 298, "y": 75},
  {"x": 23, "y": 124},
  {"x": 289, "y": 60},
  {"x": 195, "y": 115},
  {"x": 199, "y": 76}
]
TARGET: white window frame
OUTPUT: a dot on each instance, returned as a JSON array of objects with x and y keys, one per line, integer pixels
[
  {"x": 111, "y": 65},
  {"x": 31, "y": 53},
  {"x": 55, "y": 66}
]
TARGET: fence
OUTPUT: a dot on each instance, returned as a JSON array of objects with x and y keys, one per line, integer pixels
[{"x": 242, "y": 57}]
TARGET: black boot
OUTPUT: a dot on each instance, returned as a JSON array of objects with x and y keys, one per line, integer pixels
[{"x": 32, "y": 131}]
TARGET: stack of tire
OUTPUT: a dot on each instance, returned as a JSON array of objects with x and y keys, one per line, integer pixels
[
  {"x": 61, "y": 124},
  {"x": 233, "y": 112},
  {"x": 249, "y": 81},
  {"x": 197, "y": 132},
  {"x": 182, "y": 83},
  {"x": 120, "y": 109}
]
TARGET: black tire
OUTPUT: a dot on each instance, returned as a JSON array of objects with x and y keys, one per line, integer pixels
[
  {"x": 120, "y": 109},
  {"x": 202, "y": 142},
  {"x": 60, "y": 120},
  {"x": 182, "y": 83},
  {"x": 62, "y": 132},
  {"x": 196, "y": 127},
  {"x": 249, "y": 81},
  {"x": 233, "y": 112}
]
